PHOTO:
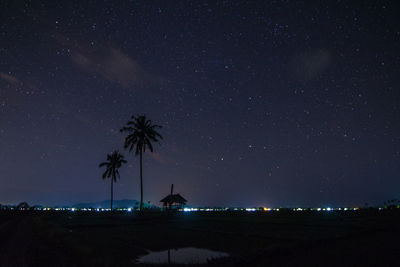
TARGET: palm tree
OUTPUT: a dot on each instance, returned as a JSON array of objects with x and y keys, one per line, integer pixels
[
  {"x": 141, "y": 134},
  {"x": 113, "y": 163}
]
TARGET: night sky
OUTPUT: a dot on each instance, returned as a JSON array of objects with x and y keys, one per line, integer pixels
[{"x": 263, "y": 103}]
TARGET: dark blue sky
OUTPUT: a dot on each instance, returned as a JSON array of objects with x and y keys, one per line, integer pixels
[{"x": 263, "y": 102}]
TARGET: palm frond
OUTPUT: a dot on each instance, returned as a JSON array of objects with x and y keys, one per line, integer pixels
[
  {"x": 113, "y": 163},
  {"x": 103, "y": 164},
  {"x": 142, "y": 133},
  {"x": 149, "y": 145}
]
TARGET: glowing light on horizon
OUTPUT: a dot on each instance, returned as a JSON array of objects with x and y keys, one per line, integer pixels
[{"x": 250, "y": 209}]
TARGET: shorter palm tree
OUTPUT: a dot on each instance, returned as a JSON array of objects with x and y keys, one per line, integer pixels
[{"x": 113, "y": 163}]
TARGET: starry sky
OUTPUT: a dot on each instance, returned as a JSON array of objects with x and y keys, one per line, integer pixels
[{"x": 262, "y": 103}]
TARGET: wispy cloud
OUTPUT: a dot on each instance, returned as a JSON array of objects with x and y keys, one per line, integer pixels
[
  {"x": 10, "y": 79},
  {"x": 173, "y": 155},
  {"x": 308, "y": 66},
  {"x": 110, "y": 63},
  {"x": 15, "y": 92},
  {"x": 159, "y": 158},
  {"x": 26, "y": 87}
]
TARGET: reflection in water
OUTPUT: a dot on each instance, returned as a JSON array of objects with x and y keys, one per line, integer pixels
[{"x": 181, "y": 256}]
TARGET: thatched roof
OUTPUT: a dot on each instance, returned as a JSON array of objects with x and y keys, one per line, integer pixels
[
  {"x": 175, "y": 198},
  {"x": 22, "y": 205}
]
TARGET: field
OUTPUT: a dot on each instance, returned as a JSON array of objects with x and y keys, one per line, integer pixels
[{"x": 46, "y": 238}]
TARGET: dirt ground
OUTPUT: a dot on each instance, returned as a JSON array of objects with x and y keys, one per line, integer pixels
[{"x": 352, "y": 238}]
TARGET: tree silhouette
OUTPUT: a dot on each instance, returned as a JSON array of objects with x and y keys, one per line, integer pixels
[
  {"x": 141, "y": 134},
  {"x": 113, "y": 163}
]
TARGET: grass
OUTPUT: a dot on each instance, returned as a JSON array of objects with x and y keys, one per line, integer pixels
[{"x": 365, "y": 237}]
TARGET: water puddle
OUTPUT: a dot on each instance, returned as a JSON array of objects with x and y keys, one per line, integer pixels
[{"x": 181, "y": 256}]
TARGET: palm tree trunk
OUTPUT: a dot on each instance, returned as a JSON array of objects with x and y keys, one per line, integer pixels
[
  {"x": 111, "y": 201},
  {"x": 141, "y": 182}
]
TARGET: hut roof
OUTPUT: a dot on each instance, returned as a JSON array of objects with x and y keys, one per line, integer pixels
[
  {"x": 175, "y": 198},
  {"x": 22, "y": 205}
]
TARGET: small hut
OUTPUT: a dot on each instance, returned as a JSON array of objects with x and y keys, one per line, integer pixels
[
  {"x": 173, "y": 201},
  {"x": 22, "y": 206}
]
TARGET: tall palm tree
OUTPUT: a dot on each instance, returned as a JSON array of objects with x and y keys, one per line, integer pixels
[
  {"x": 141, "y": 134},
  {"x": 113, "y": 163}
]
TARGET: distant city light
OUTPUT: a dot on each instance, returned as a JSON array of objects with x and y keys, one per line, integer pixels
[
  {"x": 201, "y": 209},
  {"x": 250, "y": 209}
]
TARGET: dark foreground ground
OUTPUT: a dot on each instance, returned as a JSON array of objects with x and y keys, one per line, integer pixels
[{"x": 359, "y": 238}]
